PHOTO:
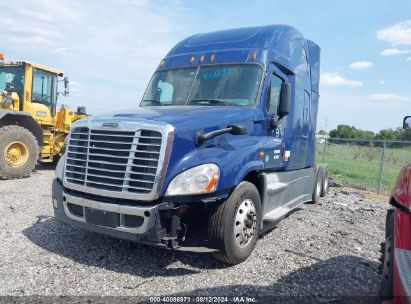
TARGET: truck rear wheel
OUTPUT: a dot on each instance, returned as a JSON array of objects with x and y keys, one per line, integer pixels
[
  {"x": 235, "y": 225},
  {"x": 19, "y": 152},
  {"x": 317, "y": 186},
  {"x": 325, "y": 185}
]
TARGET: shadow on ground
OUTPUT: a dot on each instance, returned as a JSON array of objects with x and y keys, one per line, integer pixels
[
  {"x": 45, "y": 166},
  {"x": 116, "y": 255},
  {"x": 331, "y": 281},
  {"x": 341, "y": 279},
  {"x": 97, "y": 250}
]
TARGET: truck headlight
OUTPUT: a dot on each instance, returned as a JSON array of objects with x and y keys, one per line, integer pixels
[
  {"x": 60, "y": 167},
  {"x": 199, "y": 179}
]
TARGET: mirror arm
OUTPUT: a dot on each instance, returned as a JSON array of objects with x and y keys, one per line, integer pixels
[{"x": 201, "y": 137}]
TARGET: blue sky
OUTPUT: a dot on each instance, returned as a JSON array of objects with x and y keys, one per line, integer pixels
[{"x": 109, "y": 49}]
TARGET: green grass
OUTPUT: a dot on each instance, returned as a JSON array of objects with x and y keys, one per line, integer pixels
[{"x": 360, "y": 165}]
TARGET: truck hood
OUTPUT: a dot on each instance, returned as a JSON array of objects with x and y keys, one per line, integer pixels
[{"x": 188, "y": 118}]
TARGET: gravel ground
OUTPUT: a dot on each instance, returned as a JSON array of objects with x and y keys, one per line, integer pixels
[{"x": 328, "y": 249}]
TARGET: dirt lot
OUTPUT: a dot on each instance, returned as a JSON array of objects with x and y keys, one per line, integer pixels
[{"x": 326, "y": 250}]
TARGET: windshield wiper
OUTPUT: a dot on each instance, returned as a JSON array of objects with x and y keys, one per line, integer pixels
[
  {"x": 210, "y": 101},
  {"x": 153, "y": 101}
]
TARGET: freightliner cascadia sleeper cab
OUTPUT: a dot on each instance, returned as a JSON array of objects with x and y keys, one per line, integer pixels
[{"x": 219, "y": 150}]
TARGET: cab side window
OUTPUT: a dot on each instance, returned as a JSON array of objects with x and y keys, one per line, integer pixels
[
  {"x": 43, "y": 88},
  {"x": 273, "y": 96}
]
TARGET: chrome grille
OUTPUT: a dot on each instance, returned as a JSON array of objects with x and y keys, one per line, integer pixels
[{"x": 117, "y": 161}]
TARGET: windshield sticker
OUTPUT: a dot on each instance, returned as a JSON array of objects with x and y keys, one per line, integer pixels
[{"x": 225, "y": 72}]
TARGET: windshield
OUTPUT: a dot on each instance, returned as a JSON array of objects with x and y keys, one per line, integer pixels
[
  {"x": 223, "y": 85},
  {"x": 13, "y": 75}
]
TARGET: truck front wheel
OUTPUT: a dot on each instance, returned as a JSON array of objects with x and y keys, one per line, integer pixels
[
  {"x": 234, "y": 226},
  {"x": 19, "y": 152}
]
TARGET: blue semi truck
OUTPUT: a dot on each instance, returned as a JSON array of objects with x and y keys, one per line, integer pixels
[{"x": 219, "y": 150}]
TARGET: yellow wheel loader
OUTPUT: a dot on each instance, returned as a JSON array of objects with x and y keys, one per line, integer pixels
[{"x": 31, "y": 128}]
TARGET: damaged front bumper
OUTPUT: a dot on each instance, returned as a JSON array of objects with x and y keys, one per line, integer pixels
[{"x": 156, "y": 225}]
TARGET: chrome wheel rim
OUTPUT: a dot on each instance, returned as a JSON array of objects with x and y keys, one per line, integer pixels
[
  {"x": 326, "y": 184},
  {"x": 245, "y": 224},
  {"x": 318, "y": 188}
]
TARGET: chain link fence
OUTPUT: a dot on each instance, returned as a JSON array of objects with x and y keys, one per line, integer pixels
[{"x": 368, "y": 164}]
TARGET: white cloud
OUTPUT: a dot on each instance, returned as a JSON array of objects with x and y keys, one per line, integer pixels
[
  {"x": 335, "y": 79},
  {"x": 386, "y": 97},
  {"x": 24, "y": 33},
  {"x": 142, "y": 3},
  {"x": 393, "y": 52},
  {"x": 74, "y": 83},
  {"x": 382, "y": 82},
  {"x": 29, "y": 41},
  {"x": 361, "y": 65},
  {"x": 60, "y": 51},
  {"x": 48, "y": 11},
  {"x": 110, "y": 47},
  {"x": 397, "y": 34},
  {"x": 408, "y": 59}
]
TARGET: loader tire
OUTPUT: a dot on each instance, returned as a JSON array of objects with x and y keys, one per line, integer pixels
[
  {"x": 234, "y": 226},
  {"x": 19, "y": 152}
]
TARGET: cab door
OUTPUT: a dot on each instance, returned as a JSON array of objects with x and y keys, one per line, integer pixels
[
  {"x": 306, "y": 126},
  {"x": 272, "y": 143},
  {"x": 43, "y": 96}
]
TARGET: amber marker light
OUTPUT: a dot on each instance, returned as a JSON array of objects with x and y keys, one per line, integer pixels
[
  {"x": 192, "y": 59},
  {"x": 262, "y": 154},
  {"x": 202, "y": 58},
  {"x": 212, "y": 57},
  {"x": 212, "y": 183},
  {"x": 162, "y": 63},
  {"x": 254, "y": 56}
]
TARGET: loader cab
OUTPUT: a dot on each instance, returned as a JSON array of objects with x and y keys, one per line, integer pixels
[
  {"x": 36, "y": 86},
  {"x": 44, "y": 89}
]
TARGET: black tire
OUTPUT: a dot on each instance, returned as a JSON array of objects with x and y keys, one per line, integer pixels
[
  {"x": 325, "y": 185},
  {"x": 317, "y": 186},
  {"x": 222, "y": 225},
  {"x": 9, "y": 135},
  {"x": 387, "y": 258}
]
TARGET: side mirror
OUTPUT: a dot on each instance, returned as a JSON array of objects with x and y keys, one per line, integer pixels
[
  {"x": 407, "y": 123},
  {"x": 81, "y": 110},
  {"x": 66, "y": 86},
  {"x": 285, "y": 100}
]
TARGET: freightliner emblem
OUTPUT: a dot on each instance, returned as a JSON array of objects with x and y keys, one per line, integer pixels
[{"x": 110, "y": 124}]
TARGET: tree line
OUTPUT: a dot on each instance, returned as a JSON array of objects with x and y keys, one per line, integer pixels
[{"x": 350, "y": 132}]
